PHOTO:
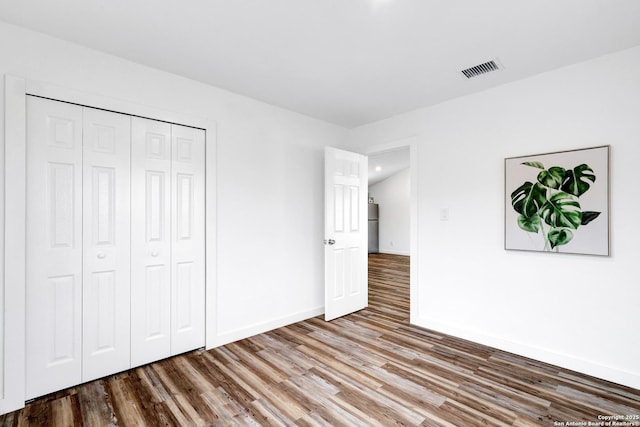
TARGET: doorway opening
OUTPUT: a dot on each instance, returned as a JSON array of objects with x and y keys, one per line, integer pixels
[{"x": 392, "y": 190}]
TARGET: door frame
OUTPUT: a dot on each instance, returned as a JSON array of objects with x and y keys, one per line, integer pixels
[
  {"x": 412, "y": 144},
  {"x": 13, "y": 214}
]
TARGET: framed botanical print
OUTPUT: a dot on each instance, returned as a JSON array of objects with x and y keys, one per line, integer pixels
[{"x": 558, "y": 202}]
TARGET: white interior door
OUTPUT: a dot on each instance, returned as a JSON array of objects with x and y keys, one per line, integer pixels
[
  {"x": 346, "y": 288},
  {"x": 150, "y": 241},
  {"x": 187, "y": 246},
  {"x": 106, "y": 242},
  {"x": 54, "y": 246}
]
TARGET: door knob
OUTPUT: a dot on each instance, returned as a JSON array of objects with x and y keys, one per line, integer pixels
[
  {"x": 101, "y": 255},
  {"x": 330, "y": 242},
  {"x": 154, "y": 254}
]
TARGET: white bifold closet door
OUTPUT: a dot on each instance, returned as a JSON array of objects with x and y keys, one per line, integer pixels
[
  {"x": 106, "y": 243},
  {"x": 150, "y": 241},
  {"x": 115, "y": 243},
  {"x": 77, "y": 245},
  {"x": 54, "y": 246},
  {"x": 167, "y": 241},
  {"x": 188, "y": 239}
]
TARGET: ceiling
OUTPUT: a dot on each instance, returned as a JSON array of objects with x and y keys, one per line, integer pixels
[
  {"x": 388, "y": 163},
  {"x": 348, "y": 62}
]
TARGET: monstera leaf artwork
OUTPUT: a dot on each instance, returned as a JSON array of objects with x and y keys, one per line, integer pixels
[{"x": 552, "y": 202}]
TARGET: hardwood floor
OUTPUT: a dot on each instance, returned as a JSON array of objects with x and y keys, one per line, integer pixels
[{"x": 370, "y": 368}]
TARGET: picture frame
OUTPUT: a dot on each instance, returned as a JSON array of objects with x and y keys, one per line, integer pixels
[{"x": 558, "y": 202}]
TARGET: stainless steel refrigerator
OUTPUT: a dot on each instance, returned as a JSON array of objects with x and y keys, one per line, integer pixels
[{"x": 374, "y": 246}]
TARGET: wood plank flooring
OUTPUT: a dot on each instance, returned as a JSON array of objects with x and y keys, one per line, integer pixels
[{"x": 370, "y": 368}]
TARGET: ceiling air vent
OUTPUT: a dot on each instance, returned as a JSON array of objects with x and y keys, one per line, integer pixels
[{"x": 485, "y": 68}]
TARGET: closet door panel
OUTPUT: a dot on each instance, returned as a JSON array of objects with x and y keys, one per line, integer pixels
[
  {"x": 106, "y": 247},
  {"x": 54, "y": 246},
  {"x": 188, "y": 268},
  {"x": 150, "y": 241}
]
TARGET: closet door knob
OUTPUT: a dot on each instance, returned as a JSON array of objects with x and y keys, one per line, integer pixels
[
  {"x": 101, "y": 255},
  {"x": 154, "y": 254}
]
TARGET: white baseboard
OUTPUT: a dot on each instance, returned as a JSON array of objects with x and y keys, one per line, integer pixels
[
  {"x": 259, "y": 328},
  {"x": 567, "y": 361},
  {"x": 390, "y": 252}
]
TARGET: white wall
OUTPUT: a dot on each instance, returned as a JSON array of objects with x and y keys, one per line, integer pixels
[
  {"x": 269, "y": 176},
  {"x": 576, "y": 311},
  {"x": 393, "y": 196}
]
